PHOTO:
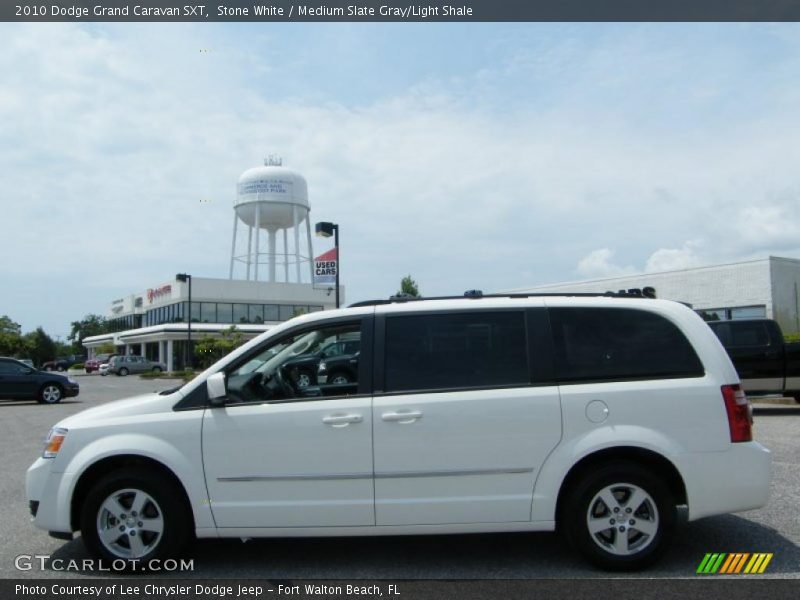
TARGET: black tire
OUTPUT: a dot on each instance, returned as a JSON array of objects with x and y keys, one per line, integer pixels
[
  {"x": 60, "y": 369},
  {"x": 161, "y": 501},
  {"x": 123, "y": 372},
  {"x": 156, "y": 369},
  {"x": 88, "y": 371},
  {"x": 622, "y": 545},
  {"x": 48, "y": 368},
  {"x": 796, "y": 397},
  {"x": 50, "y": 393},
  {"x": 304, "y": 379},
  {"x": 339, "y": 377}
]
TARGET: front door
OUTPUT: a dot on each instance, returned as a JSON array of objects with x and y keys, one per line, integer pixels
[{"x": 281, "y": 455}]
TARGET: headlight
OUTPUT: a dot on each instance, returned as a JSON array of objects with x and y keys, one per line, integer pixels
[
  {"x": 53, "y": 442},
  {"x": 71, "y": 380}
]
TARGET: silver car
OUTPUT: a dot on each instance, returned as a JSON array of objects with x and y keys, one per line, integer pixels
[{"x": 122, "y": 365}]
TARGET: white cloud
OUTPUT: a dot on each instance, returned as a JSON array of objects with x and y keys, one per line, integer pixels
[
  {"x": 598, "y": 264},
  {"x": 671, "y": 259}
]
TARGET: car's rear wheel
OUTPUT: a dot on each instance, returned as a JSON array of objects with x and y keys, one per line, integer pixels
[
  {"x": 339, "y": 378},
  {"x": 156, "y": 369},
  {"x": 60, "y": 368},
  {"x": 51, "y": 393},
  {"x": 619, "y": 517},
  {"x": 123, "y": 371},
  {"x": 135, "y": 514}
]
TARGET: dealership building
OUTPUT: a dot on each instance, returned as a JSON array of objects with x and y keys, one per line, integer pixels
[
  {"x": 766, "y": 287},
  {"x": 271, "y": 278}
]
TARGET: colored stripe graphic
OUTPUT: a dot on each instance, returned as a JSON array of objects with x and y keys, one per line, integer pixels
[
  {"x": 730, "y": 564},
  {"x": 711, "y": 563}
]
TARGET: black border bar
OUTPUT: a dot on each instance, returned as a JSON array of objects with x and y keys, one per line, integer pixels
[{"x": 400, "y": 10}]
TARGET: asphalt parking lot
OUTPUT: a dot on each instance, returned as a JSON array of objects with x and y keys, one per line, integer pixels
[{"x": 774, "y": 528}]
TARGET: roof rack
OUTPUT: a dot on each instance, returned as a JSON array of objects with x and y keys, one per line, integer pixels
[{"x": 646, "y": 292}]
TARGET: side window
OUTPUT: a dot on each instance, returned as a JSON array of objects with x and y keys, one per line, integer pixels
[
  {"x": 749, "y": 334},
  {"x": 294, "y": 368},
  {"x": 455, "y": 350},
  {"x": 602, "y": 344},
  {"x": 7, "y": 368}
]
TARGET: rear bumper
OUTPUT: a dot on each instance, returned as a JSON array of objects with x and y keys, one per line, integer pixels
[{"x": 725, "y": 482}]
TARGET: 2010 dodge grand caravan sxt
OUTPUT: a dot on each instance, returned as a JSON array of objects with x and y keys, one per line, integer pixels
[{"x": 596, "y": 415}]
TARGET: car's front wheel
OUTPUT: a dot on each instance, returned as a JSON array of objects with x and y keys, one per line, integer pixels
[
  {"x": 619, "y": 517},
  {"x": 135, "y": 514},
  {"x": 156, "y": 369},
  {"x": 51, "y": 393}
]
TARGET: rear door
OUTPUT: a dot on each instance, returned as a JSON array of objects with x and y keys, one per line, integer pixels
[{"x": 460, "y": 428}]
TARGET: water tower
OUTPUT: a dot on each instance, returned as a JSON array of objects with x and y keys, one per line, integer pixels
[{"x": 275, "y": 199}]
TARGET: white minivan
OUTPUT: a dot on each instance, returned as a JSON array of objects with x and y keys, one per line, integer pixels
[{"x": 598, "y": 415}]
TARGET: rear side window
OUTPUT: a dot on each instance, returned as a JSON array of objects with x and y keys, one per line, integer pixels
[
  {"x": 742, "y": 334},
  {"x": 604, "y": 344},
  {"x": 455, "y": 351}
]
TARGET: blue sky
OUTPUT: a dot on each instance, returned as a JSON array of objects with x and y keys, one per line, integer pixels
[{"x": 487, "y": 156}]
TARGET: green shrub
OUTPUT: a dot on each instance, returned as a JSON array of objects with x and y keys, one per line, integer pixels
[
  {"x": 76, "y": 366},
  {"x": 792, "y": 337},
  {"x": 186, "y": 375}
]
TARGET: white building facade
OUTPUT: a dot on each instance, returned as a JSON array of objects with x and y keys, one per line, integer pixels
[
  {"x": 153, "y": 323},
  {"x": 767, "y": 287}
]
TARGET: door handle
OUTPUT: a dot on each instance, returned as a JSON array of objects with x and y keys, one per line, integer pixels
[
  {"x": 408, "y": 416},
  {"x": 342, "y": 420}
]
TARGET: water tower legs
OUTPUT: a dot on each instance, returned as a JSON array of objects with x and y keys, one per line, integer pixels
[
  {"x": 258, "y": 230},
  {"x": 286, "y": 255},
  {"x": 310, "y": 251},
  {"x": 271, "y": 236},
  {"x": 249, "y": 249},
  {"x": 233, "y": 244}
]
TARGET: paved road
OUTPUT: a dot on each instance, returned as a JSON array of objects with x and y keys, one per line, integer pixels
[{"x": 775, "y": 528}]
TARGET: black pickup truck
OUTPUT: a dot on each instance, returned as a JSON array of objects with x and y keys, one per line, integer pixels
[{"x": 765, "y": 363}]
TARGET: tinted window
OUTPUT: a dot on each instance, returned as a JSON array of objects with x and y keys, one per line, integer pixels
[
  {"x": 742, "y": 334},
  {"x": 452, "y": 351},
  {"x": 599, "y": 344}
]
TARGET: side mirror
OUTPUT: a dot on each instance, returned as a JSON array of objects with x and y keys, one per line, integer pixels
[{"x": 217, "y": 393}]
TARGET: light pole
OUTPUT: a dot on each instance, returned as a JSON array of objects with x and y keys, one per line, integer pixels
[
  {"x": 184, "y": 277},
  {"x": 328, "y": 229}
]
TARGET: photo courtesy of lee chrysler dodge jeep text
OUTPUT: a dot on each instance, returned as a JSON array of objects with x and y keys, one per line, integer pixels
[{"x": 597, "y": 415}]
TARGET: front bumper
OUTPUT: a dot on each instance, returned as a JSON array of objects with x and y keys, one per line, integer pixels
[
  {"x": 48, "y": 495},
  {"x": 71, "y": 390}
]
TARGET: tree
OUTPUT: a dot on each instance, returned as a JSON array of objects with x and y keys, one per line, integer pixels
[
  {"x": 88, "y": 326},
  {"x": 39, "y": 346},
  {"x": 408, "y": 286},
  {"x": 209, "y": 350},
  {"x": 10, "y": 337}
]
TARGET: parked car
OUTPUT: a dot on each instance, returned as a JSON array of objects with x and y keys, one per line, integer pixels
[
  {"x": 123, "y": 365},
  {"x": 765, "y": 363},
  {"x": 596, "y": 415},
  {"x": 93, "y": 364},
  {"x": 338, "y": 369},
  {"x": 63, "y": 363},
  {"x": 18, "y": 381},
  {"x": 304, "y": 368}
]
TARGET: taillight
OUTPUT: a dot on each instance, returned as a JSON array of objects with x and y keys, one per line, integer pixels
[{"x": 739, "y": 417}]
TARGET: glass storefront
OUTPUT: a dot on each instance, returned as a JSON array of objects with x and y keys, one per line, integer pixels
[{"x": 219, "y": 312}]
